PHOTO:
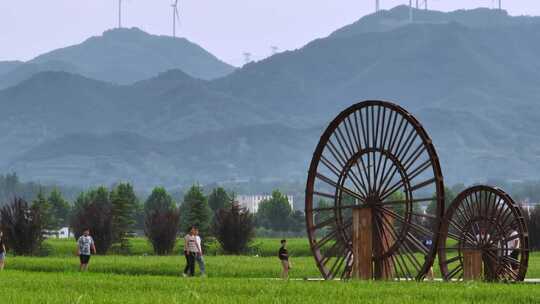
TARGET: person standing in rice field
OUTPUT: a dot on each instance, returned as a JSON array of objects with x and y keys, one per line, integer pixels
[
  {"x": 199, "y": 257},
  {"x": 85, "y": 248},
  {"x": 190, "y": 252},
  {"x": 283, "y": 255},
  {"x": 2, "y": 251}
]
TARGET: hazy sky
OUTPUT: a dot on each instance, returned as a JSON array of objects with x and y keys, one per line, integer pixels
[{"x": 227, "y": 28}]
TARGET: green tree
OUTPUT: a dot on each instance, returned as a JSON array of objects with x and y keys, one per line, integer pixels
[
  {"x": 42, "y": 206},
  {"x": 297, "y": 221},
  {"x": 195, "y": 211},
  {"x": 219, "y": 199},
  {"x": 159, "y": 199},
  {"x": 124, "y": 208},
  {"x": 60, "y": 209},
  {"x": 449, "y": 197},
  {"x": 275, "y": 212}
]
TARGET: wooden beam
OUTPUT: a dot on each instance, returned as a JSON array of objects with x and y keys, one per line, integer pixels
[
  {"x": 362, "y": 243},
  {"x": 472, "y": 265}
]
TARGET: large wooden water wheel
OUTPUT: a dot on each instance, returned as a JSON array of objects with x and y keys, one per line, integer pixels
[
  {"x": 375, "y": 156},
  {"x": 484, "y": 222}
]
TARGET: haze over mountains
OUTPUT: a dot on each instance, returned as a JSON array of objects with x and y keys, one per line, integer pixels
[{"x": 472, "y": 78}]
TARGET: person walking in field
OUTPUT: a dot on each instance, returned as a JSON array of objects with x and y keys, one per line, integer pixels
[
  {"x": 428, "y": 243},
  {"x": 85, "y": 248},
  {"x": 513, "y": 246},
  {"x": 199, "y": 257},
  {"x": 2, "y": 251},
  {"x": 283, "y": 255},
  {"x": 191, "y": 249}
]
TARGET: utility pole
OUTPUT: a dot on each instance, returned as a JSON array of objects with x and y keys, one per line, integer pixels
[{"x": 410, "y": 11}]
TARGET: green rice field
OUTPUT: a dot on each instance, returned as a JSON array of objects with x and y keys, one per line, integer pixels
[{"x": 143, "y": 278}]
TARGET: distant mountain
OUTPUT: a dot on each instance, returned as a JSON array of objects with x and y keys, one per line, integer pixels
[
  {"x": 7, "y": 66},
  {"x": 25, "y": 71},
  {"x": 387, "y": 20},
  {"x": 123, "y": 56},
  {"x": 475, "y": 89},
  {"x": 232, "y": 154}
]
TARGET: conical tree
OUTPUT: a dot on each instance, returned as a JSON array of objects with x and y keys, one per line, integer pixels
[
  {"x": 42, "y": 206},
  {"x": 234, "y": 228},
  {"x": 124, "y": 208},
  {"x": 195, "y": 211}
]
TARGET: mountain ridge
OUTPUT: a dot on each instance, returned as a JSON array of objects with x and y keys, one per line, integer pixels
[{"x": 262, "y": 121}]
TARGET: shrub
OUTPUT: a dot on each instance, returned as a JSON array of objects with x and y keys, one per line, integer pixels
[
  {"x": 161, "y": 221},
  {"x": 234, "y": 228},
  {"x": 93, "y": 211},
  {"x": 22, "y": 227}
]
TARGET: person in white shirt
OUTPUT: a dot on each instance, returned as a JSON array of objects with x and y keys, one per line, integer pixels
[
  {"x": 199, "y": 257},
  {"x": 191, "y": 250},
  {"x": 85, "y": 247},
  {"x": 512, "y": 244}
]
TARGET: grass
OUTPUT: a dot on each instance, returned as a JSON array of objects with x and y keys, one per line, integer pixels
[
  {"x": 71, "y": 287},
  {"x": 144, "y": 278},
  {"x": 264, "y": 247},
  {"x": 217, "y": 266}
]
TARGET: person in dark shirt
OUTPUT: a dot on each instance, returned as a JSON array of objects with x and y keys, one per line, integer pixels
[
  {"x": 2, "y": 251},
  {"x": 284, "y": 258}
]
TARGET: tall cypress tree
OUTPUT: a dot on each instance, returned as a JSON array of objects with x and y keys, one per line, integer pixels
[
  {"x": 42, "y": 206},
  {"x": 195, "y": 211},
  {"x": 123, "y": 208}
]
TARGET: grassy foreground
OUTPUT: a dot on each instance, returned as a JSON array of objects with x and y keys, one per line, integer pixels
[{"x": 31, "y": 287}]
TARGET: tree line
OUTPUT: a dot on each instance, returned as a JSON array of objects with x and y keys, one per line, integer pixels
[{"x": 113, "y": 215}]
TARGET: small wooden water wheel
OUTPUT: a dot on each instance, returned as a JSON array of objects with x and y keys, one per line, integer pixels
[{"x": 483, "y": 236}]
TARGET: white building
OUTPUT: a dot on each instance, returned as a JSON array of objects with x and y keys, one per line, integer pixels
[
  {"x": 63, "y": 233},
  {"x": 251, "y": 202}
]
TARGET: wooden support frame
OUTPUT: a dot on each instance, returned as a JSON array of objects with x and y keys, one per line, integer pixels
[
  {"x": 362, "y": 243},
  {"x": 472, "y": 264}
]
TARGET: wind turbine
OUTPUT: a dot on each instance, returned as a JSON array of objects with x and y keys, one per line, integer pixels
[
  {"x": 247, "y": 57},
  {"x": 176, "y": 16},
  {"x": 377, "y": 5},
  {"x": 119, "y": 13}
]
